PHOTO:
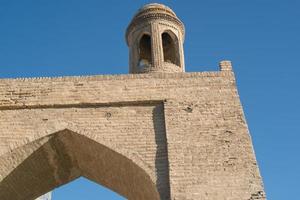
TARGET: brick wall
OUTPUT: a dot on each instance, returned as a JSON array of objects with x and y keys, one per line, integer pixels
[{"x": 186, "y": 131}]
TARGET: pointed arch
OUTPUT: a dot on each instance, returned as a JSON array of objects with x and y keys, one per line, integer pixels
[
  {"x": 145, "y": 51},
  {"x": 64, "y": 156},
  {"x": 170, "y": 46}
]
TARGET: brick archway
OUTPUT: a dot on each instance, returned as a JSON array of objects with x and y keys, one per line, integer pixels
[
  {"x": 64, "y": 156},
  {"x": 185, "y": 130}
]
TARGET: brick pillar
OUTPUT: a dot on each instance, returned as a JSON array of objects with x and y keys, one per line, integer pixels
[{"x": 157, "y": 53}]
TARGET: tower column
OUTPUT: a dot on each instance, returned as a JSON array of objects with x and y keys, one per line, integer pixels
[
  {"x": 157, "y": 52},
  {"x": 181, "y": 53},
  {"x": 155, "y": 38}
]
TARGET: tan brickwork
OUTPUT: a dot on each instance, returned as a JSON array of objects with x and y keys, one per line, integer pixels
[
  {"x": 185, "y": 130},
  {"x": 178, "y": 136},
  {"x": 156, "y": 20}
]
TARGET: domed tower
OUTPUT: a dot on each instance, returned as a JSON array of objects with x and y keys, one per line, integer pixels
[{"x": 155, "y": 39}]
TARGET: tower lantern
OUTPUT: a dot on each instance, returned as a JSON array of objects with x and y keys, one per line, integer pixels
[{"x": 155, "y": 39}]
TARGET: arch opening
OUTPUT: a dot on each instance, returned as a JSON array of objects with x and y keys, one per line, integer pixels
[
  {"x": 170, "y": 48},
  {"x": 145, "y": 53},
  {"x": 82, "y": 188},
  {"x": 65, "y": 156}
]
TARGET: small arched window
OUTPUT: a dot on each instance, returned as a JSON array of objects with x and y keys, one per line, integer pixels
[
  {"x": 170, "y": 48},
  {"x": 145, "y": 56}
]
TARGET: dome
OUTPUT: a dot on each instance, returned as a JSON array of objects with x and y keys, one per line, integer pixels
[
  {"x": 154, "y": 11},
  {"x": 155, "y": 8}
]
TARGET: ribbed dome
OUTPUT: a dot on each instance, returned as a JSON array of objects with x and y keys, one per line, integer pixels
[
  {"x": 155, "y": 8},
  {"x": 154, "y": 11}
]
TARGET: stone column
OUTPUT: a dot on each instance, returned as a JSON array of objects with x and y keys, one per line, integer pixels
[
  {"x": 157, "y": 54},
  {"x": 181, "y": 52}
]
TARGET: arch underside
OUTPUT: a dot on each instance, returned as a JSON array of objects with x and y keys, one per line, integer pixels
[{"x": 64, "y": 156}]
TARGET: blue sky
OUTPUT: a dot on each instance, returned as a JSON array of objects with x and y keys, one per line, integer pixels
[{"x": 260, "y": 37}]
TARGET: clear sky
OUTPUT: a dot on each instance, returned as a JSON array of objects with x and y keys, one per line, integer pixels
[{"x": 260, "y": 37}]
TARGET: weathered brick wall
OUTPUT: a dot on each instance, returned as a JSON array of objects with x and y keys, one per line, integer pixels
[{"x": 187, "y": 131}]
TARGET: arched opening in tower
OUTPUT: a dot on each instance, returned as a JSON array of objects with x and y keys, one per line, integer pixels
[
  {"x": 170, "y": 48},
  {"x": 145, "y": 56}
]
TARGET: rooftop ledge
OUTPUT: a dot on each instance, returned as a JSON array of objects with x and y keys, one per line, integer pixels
[
  {"x": 225, "y": 70},
  {"x": 126, "y": 76}
]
